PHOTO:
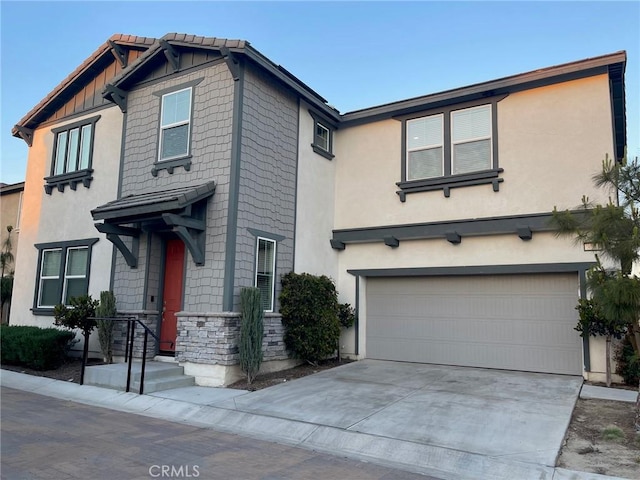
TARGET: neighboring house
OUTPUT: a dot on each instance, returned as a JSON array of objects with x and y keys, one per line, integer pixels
[
  {"x": 10, "y": 206},
  {"x": 74, "y": 139},
  {"x": 431, "y": 213}
]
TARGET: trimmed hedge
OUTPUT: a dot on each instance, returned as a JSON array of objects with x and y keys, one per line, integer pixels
[
  {"x": 309, "y": 308},
  {"x": 37, "y": 348}
]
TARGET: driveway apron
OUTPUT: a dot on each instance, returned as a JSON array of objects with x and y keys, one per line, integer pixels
[{"x": 511, "y": 415}]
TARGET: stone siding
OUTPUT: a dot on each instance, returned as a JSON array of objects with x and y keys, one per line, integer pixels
[
  {"x": 212, "y": 338},
  {"x": 150, "y": 319}
]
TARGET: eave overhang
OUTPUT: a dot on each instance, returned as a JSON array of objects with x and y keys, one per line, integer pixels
[{"x": 75, "y": 81}]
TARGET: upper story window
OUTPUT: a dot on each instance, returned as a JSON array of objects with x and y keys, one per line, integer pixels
[
  {"x": 266, "y": 271},
  {"x": 175, "y": 124},
  {"x": 72, "y": 155},
  {"x": 452, "y": 147},
  {"x": 322, "y": 136},
  {"x": 63, "y": 273}
]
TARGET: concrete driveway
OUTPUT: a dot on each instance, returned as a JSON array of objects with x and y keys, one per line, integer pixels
[{"x": 510, "y": 416}]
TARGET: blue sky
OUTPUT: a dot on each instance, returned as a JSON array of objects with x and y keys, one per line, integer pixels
[{"x": 355, "y": 54}]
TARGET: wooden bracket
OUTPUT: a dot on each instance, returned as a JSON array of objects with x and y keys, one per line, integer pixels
[{"x": 172, "y": 54}]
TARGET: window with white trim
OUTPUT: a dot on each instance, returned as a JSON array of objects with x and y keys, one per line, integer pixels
[
  {"x": 63, "y": 272},
  {"x": 175, "y": 124},
  {"x": 470, "y": 148},
  {"x": 265, "y": 271}
]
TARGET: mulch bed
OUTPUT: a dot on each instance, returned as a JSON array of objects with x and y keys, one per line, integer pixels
[{"x": 68, "y": 371}]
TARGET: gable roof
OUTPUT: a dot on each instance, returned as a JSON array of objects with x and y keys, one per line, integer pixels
[
  {"x": 65, "y": 90},
  {"x": 222, "y": 45}
]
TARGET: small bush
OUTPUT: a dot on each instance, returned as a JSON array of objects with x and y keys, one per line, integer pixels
[
  {"x": 347, "y": 315},
  {"x": 37, "y": 348},
  {"x": 251, "y": 332},
  {"x": 613, "y": 433},
  {"x": 628, "y": 363},
  {"x": 309, "y": 307}
]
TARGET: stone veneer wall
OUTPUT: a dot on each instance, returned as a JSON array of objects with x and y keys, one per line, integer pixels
[
  {"x": 212, "y": 338},
  {"x": 150, "y": 319}
]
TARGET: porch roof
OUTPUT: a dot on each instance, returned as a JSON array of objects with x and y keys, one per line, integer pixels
[{"x": 148, "y": 204}]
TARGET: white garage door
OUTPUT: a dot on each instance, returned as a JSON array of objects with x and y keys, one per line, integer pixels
[{"x": 514, "y": 322}]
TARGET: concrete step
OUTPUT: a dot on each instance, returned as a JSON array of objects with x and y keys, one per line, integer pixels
[{"x": 157, "y": 376}]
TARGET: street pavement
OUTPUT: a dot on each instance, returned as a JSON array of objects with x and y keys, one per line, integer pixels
[{"x": 48, "y": 438}]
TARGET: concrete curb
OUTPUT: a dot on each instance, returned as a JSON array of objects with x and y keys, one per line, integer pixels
[{"x": 444, "y": 463}]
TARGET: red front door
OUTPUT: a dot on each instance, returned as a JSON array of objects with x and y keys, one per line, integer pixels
[{"x": 172, "y": 294}]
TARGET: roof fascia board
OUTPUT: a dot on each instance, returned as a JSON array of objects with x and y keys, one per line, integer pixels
[
  {"x": 98, "y": 56},
  {"x": 547, "y": 76}
]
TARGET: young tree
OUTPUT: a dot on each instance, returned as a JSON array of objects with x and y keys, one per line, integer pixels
[
  {"x": 6, "y": 281},
  {"x": 614, "y": 230},
  {"x": 251, "y": 332}
]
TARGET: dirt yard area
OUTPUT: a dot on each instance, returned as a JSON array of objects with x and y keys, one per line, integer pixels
[{"x": 602, "y": 439}]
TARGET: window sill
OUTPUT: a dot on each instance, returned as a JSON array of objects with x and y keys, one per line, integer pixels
[
  {"x": 322, "y": 151},
  {"x": 454, "y": 181},
  {"x": 42, "y": 312},
  {"x": 170, "y": 165},
  {"x": 72, "y": 179}
]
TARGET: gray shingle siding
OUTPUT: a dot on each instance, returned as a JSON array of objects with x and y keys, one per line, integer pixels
[
  {"x": 266, "y": 199},
  {"x": 211, "y": 152}
]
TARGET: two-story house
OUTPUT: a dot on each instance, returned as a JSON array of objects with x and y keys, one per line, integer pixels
[
  {"x": 432, "y": 214},
  {"x": 74, "y": 137}
]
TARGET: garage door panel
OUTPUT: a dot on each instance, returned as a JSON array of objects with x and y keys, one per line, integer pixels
[{"x": 513, "y": 321}]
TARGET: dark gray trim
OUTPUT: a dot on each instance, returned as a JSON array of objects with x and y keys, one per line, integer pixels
[
  {"x": 172, "y": 55},
  {"x": 453, "y": 237},
  {"x": 322, "y": 120},
  {"x": 524, "y": 233},
  {"x": 271, "y": 236},
  {"x": 146, "y": 273},
  {"x": 337, "y": 244},
  {"x": 25, "y": 134},
  {"x": 513, "y": 224},
  {"x": 175, "y": 88},
  {"x": 119, "y": 53},
  {"x": 171, "y": 165},
  {"x": 357, "y": 322},
  {"x": 233, "y": 64},
  {"x": 234, "y": 192},
  {"x": 618, "y": 108},
  {"x": 582, "y": 276},
  {"x": 113, "y": 234},
  {"x": 392, "y": 242},
  {"x": 514, "y": 83},
  {"x": 59, "y": 182},
  {"x": 116, "y": 95},
  {"x": 295, "y": 191},
  {"x": 63, "y": 246},
  {"x": 449, "y": 181},
  {"x": 527, "y": 268}
]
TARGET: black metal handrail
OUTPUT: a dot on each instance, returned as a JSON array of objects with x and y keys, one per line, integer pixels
[{"x": 128, "y": 347}]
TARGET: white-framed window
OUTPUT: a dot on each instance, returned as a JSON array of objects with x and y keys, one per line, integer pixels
[
  {"x": 266, "y": 271},
  {"x": 73, "y": 147},
  {"x": 453, "y": 142},
  {"x": 323, "y": 137},
  {"x": 425, "y": 147},
  {"x": 471, "y": 140},
  {"x": 175, "y": 124},
  {"x": 63, "y": 272}
]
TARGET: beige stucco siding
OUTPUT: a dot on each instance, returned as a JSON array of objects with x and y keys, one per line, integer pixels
[
  {"x": 314, "y": 204},
  {"x": 64, "y": 216},
  {"x": 551, "y": 140}
]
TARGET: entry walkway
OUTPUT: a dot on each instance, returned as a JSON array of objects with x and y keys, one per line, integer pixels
[{"x": 448, "y": 422}]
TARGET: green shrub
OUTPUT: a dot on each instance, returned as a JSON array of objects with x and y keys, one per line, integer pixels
[
  {"x": 346, "y": 315},
  {"x": 106, "y": 309},
  {"x": 251, "y": 332},
  {"x": 37, "y": 348},
  {"x": 628, "y": 362},
  {"x": 309, "y": 307}
]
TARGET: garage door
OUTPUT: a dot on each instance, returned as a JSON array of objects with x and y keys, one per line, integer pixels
[{"x": 514, "y": 322}]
